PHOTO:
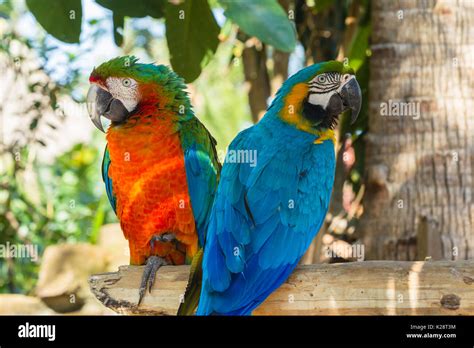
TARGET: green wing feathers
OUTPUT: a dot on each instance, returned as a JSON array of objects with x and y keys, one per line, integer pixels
[
  {"x": 202, "y": 172},
  {"x": 193, "y": 290}
]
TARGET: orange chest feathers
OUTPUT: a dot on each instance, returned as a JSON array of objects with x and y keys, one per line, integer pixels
[{"x": 149, "y": 181}]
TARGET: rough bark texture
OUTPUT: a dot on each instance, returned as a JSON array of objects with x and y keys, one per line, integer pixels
[
  {"x": 356, "y": 288},
  {"x": 419, "y": 171}
]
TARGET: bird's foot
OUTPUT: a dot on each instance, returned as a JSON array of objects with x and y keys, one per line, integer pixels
[{"x": 153, "y": 264}]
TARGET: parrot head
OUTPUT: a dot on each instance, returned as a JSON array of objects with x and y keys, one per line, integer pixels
[
  {"x": 314, "y": 97},
  {"x": 122, "y": 86}
]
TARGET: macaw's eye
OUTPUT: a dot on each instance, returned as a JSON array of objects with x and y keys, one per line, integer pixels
[
  {"x": 126, "y": 82},
  {"x": 321, "y": 78}
]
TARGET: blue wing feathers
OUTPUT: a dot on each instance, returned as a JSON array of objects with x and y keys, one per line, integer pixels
[
  {"x": 198, "y": 187},
  {"x": 219, "y": 276},
  {"x": 295, "y": 170},
  {"x": 202, "y": 170},
  {"x": 232, "y": 250}
]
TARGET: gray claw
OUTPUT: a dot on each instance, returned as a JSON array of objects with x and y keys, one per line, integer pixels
[{"x": 153, "y": 264}]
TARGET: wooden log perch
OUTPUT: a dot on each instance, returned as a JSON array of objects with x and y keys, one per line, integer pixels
[{"x": 357, "y": 288}]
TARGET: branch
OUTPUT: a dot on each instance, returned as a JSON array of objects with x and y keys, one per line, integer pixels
[{"x": 357, "y": 288}]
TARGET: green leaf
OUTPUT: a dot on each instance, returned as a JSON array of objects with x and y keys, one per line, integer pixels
[
  {"x": 135, "y": 8},
  {"x": 127, "y": 8},
  {"x": 6, "y": 8},
  {"x": 192, "y": 36},
  {"x": 264, "y": 19},
  {"x": 61, "y": 19},
  {"x": 118, "y": 21},
  {"x": 359, "y": 46},
  {"x": 99, "y": 218},
  {"x": 322, "y": 5}
]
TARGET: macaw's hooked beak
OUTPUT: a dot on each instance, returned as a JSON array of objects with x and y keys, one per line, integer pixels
[
  {"x": 101, "y": 103},
  {"x": 351, "y": 96}
]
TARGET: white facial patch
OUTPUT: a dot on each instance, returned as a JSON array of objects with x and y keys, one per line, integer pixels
[
  {"x": 322, "y": 87},
  {"x": 320, "y": 99},
  {"x": 124, "y": 89}
]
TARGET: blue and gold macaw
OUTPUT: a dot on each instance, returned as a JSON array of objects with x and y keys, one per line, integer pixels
[{"x": 268, "y": 210}]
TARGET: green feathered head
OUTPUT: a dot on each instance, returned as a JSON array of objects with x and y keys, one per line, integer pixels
[{"x": 123, "y": 86}]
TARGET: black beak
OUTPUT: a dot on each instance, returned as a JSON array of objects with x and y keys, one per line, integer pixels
[
  {"x": 102, "y": 103},
  {"x": 351, "y": 97}
]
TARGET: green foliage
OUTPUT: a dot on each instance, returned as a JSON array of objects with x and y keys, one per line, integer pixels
[
  {"x": 73, "y": 187},
  {"x": 358, "y": 55},
  {"x": 127, "y": 8},
  {"x": 191, "y": 28},
  {"x": 5, "y": 9},
  {"x": 359, "y": 46},
  {"x": 264, "y": 19},
  {"x": 42, "y": 203},
  {"x": 223, "y": 102},
  {"x": 118, "y": 22},
  {"x": 141, "y": 8},
  {"x": 191, "y": 33},
  {"x": 64, "y": 204},
  {"x": 322, "y": 5},
  {"x": 62, "y": 19}
]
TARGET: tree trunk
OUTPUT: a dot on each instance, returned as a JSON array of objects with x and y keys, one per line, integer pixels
[
  {"x": 261, "y": 84},
  {"x": 420, "y": 158},
  {"x": 254, "y": 58}
]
